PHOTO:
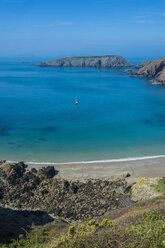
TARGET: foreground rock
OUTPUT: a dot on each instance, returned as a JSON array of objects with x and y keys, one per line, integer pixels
[
  {"x": 93, "y": 61},
  {"x": 75, "y": 200},
  {"x": 154, "y": 70},
  {"x": 147, "y": 188}
]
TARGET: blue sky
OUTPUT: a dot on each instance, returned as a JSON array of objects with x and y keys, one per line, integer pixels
[{"x": 57, "y": 28}]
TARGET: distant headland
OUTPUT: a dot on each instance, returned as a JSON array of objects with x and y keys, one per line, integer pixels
[
  {"x": 109, "y": 61},
  {"x": 153, "y": 70}
]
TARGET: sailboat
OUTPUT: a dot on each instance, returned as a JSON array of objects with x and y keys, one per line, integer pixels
[{"x": 76, "y": 101}]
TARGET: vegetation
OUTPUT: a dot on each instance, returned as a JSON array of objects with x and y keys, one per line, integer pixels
[
  {"x": 149, "y": 233},
  {"x": 37, "y": 238},
  {"x": 160, "y": 187},
  {"x": 139, "y": 226}
]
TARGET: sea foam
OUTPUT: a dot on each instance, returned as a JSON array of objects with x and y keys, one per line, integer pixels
[{"x": 93, "y": 161}]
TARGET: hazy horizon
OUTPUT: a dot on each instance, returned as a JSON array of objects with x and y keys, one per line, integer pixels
[{"x": 55, "y": 29}]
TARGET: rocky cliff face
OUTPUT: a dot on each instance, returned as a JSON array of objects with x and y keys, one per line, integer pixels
[
  {"x": 155, "y": 69},
  {"x": 32, "y": 190},
  {"x": 94, "y": 61}
]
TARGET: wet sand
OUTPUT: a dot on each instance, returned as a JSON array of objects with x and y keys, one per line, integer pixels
[{"x": 154, "y": 167}]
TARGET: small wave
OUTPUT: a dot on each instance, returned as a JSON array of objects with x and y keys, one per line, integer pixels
[{"x": 93, "y": 161}]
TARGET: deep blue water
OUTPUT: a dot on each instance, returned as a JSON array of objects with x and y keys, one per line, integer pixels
[{"x": 117, "y": 116}]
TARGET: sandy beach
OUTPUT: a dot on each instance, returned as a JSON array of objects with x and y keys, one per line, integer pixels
[{"x": 149, "y": 167}]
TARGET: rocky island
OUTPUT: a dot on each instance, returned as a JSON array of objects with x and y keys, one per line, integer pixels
[{"x": 109, "y": 61}]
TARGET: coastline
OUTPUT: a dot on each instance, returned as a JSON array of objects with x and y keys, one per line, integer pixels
[
  {"x": 149, "y": 166},
  {"x": 62, "y": 191}
]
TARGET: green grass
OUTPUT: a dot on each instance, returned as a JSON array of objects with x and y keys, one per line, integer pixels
[
  {"x": 160, "y": 187},
  {"x": 37, "y": 238},
  {"x": 34, "y": 239}
]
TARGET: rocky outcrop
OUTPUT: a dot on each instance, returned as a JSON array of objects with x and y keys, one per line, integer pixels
[
  {"x": 141, "y": 65},
  {"x": 154, "y": 70},
  {"x": 25, "y": 189},
  {"x": 128, "y": 72},
  {"x": 109, "y": 61},
  {"x": 145, "y": 189},
  {"x": 2, "y": 162},
  {"x": 47, "y": 172}
]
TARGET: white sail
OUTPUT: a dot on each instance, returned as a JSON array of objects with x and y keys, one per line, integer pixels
[{"x": 76, "y": 101}]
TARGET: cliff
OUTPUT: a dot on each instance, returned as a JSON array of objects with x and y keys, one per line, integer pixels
[
  {"x": 93, "y": 61},
  {"x": 155, "y": 70}
]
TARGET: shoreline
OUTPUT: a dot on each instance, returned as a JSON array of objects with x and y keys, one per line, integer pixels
[
  {"x": 149, "y": 166},
  {"x": 66, "y": 194},
  {"x": 127, "y": 159}
]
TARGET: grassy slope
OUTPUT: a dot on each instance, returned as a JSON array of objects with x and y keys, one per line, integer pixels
[
  {"x": 141, "y": 225},
  {"x": 38, "y": 237}
]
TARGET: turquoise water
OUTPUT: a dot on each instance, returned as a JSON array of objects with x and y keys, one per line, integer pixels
[{"x": 117, "y": 116}]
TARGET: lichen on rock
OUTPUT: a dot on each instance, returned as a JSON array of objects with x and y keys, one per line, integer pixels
[{"x": 145, "y": 189}]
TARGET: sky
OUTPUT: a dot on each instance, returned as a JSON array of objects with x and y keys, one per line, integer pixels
[{"x": 60, "y": 28}]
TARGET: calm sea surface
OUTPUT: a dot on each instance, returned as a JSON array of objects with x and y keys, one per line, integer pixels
[{"x": 117, "y": 116}]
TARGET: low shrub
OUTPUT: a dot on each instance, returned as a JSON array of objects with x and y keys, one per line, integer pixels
[
  {"x": 150, "y": 233},
  {"x": 160, "y": 187}
]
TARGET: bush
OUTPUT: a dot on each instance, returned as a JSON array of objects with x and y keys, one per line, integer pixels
[
  {"x": 160, "y": 187},
  {"x": 150, "y": 233}
]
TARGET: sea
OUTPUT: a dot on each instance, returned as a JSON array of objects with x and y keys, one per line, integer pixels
[{"x": 117, "y": 117}]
